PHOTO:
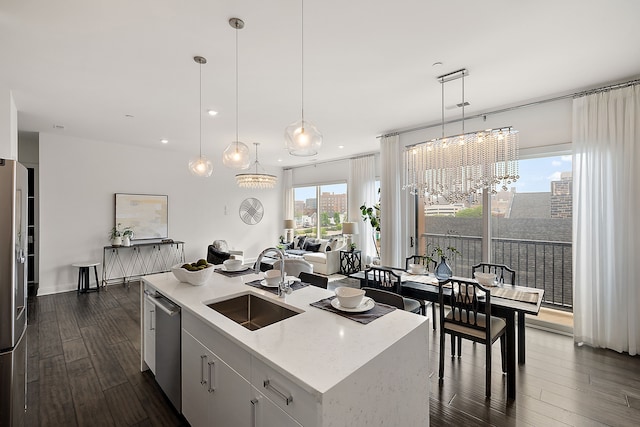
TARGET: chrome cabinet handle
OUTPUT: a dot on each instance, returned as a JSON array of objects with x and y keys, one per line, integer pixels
[
  {"x": 284, "y": 396},
  {"x": 151, "y": 328},
  {"x": 254, "y": 413},
  {"x": 212, "y": 367},
  {"x": 203, "y": 358}
]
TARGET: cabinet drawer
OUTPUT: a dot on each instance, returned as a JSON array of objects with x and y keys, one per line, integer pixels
[
  {"x": 238, "y": 359},
  {"x": 292, "y": 398}
]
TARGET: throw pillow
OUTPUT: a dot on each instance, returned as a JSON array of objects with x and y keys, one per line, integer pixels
[
  {"x": 328, "y": 248},
  {"x": 301, "y": 240},
  {"x": 313, "y": 247}
]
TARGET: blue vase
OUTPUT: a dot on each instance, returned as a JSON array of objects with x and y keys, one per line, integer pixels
[{"x": 443, "y": 271}]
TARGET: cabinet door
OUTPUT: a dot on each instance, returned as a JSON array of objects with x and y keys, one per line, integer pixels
[
  {"x": 230, "y": 395},
  {"x": 195, "y": 398},
  {"x": 265, "y": 413},
  {"x": 150, "y": 335}
]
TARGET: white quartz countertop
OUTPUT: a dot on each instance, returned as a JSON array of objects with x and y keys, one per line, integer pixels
[{"x": 315, "y": 348}]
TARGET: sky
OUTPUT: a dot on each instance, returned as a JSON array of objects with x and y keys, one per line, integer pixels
[{"x": 535, "y": 176}]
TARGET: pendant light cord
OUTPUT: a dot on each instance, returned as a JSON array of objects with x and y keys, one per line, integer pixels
[
  {"x": 200, "y": 109},
  {"x": 463, "y": 102},
  {"x": 442, "y": 107},
  {"x": 302, "y": 61},
  {"x": 237, "y": 108}
]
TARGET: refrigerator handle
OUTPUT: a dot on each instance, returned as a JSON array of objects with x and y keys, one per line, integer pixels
[{"x": 20, "y": 258}]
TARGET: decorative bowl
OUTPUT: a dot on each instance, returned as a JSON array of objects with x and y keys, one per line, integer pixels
[
  {"x": 232, "y": 264},
  {"x": 349, "y": 297},
  {"x": 272, "y": 277},
  {"x": 485, "y": 279},
  {"x": 417, "y": 268},
  {"x": 195, "y": 278}
]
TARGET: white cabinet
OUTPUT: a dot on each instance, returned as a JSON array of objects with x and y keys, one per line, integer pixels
[
  {"x": 212, "y": 392},
  {"x": 268, "y": 414},
  {"x": 149, "y": 334}
]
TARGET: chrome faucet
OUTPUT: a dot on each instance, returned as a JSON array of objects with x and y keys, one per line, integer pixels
[{"x": 283, "y": 286}]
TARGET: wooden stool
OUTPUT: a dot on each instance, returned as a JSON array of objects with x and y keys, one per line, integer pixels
[{"x": 83, "y": 276}]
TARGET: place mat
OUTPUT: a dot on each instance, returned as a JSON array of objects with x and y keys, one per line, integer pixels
[
  {"x": 420, "y": 278},
  {"x": 234, "y": 273},
  {"x": 294, "y": 286},
  {"x": 523, "y": 296},
  {"x": 378, "y": 310}
]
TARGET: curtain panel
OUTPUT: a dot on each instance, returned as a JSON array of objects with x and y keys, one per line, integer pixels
[
  {"x": 390, "y": 191},
  {"x": 362, "y": 190},
  {"x": 606, "y": 235}
]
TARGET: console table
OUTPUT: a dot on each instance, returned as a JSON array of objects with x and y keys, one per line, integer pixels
[{"x": 123, "y": 263}]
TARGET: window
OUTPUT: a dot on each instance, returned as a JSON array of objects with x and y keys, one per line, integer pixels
[{"x": 320, "y": 210}]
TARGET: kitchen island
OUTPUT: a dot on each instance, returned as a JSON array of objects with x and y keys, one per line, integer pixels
[{"x": 315, "y": 368}]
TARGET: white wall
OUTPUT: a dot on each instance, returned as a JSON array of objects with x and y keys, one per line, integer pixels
[
  {"x": 8, "y": 126},
  {"x": 78, "y": 179}
]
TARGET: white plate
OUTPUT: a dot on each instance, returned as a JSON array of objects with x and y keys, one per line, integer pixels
[
  {"x": 242, "y": 268},
  {"x": 366, "y": 305}
]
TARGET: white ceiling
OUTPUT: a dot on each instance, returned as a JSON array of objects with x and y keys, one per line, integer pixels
[{"x": 85, "y": 65}]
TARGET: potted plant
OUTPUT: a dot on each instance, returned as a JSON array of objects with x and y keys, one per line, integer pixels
[
  {"x": 115, "y": 235},
  {"x": 352, "y": 247},
  {"x": 127, "y": 235},
  {"x": 440, "y": 255}
]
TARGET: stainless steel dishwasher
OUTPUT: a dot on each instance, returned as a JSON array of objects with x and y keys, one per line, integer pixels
[{"x": 168, "y": 347}]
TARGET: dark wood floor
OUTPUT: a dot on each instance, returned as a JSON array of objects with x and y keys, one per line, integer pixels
[{"x": 84, "y": 371}]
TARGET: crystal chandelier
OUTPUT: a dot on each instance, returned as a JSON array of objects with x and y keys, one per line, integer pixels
[
  {"x": 236, "y": 155},
  {"x": 256, "y": 180},
  {"x": 201, "y": 166},
  {"x": 302, "y": 138},
  {"x": 457, "y": 168}
]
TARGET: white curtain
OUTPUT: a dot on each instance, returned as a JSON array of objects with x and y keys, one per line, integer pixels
[
  {"x": 288, "y": 208},
  {"x": 606, "y": 235},
  {"x": 390, "y": 216},
  {"x": 362, "y": 190}
]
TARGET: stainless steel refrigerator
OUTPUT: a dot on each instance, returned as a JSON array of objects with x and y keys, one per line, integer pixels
[{"x": 13, "y": 293}]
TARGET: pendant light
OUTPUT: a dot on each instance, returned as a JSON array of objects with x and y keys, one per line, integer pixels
[
  {"x": 236, "y": 155},
  {"x": 302, "y": 138},
  {"x": 201, "y": 166},
  {"x": 256, "y": 180}
]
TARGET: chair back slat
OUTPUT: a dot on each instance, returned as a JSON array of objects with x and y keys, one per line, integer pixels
[
  {"x": 503, "y": 273},
  {"x": 419, "y": 259},
  {"x": 382, "y": 278}
]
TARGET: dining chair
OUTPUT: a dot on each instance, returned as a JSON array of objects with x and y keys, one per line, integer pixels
[
  {"x": 387, "y": 280},
  {"x": 314, "y": 279},
  {"x": 504, "y": 274},
  {"x": 424, "y": 260},
  {"x": 384, "y": 297},
  {"x": 469, "y": 316}
]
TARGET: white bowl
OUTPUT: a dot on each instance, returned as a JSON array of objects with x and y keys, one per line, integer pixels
[
  {"x": 349, "y": 297},
  {"x": 485, "y": 279},
  {"x": 195, "y": 278},
  {"x": 232, "y": 264},
  {"x": 272, "y": 277},
  {"x": 417, "y": 268}
]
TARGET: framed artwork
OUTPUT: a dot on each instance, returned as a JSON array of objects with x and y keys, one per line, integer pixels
[
  {"x": 251, "y": 211},
  {"x": 146, "y": 214}
]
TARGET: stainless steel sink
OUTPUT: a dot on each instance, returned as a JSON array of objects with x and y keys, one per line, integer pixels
[{"x": 251, "y": 311}]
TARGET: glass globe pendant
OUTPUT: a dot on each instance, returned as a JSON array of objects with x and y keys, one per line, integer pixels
[
  {"x": 201, "y": 166},
  {"x": 303, "y": 138}
]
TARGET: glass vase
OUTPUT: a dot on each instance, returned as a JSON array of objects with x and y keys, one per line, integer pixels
[{"x": 443, "y": 271}]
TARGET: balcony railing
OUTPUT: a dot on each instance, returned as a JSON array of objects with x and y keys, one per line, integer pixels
[{"x": 538, "y": 264}]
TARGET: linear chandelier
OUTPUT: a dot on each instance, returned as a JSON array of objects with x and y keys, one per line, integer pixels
[
  {"x": 256, "y": 180},
  {"x": 457, "y": 168}
]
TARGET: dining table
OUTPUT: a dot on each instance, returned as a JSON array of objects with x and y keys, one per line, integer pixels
[{"x": 507, "y": 301}]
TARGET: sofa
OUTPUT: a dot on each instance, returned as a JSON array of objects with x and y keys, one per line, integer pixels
[{"x": 323, "y": 254}]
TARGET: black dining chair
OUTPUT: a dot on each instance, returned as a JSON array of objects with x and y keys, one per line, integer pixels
[
  {"x": 469, "y": 316},
  {"x": 424, "y": 260},
  {"x": 504, "y": 274},
  {"x": 384, "y": 297},
  {"x": 387, "y": 280},
  {"x": 314, "y": 279}
]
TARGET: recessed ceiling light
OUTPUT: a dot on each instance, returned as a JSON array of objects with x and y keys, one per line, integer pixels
[
  {"x": 212, "y": 113},
  {"x": 129, "y": 116},
  {"x": 279, "y": 160},
  {"x": 164, "y": 141},
  {"x": 58, "y": 126},
  {"x": 341, "y": 146},
  {"x": 436, "y": 64}
]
